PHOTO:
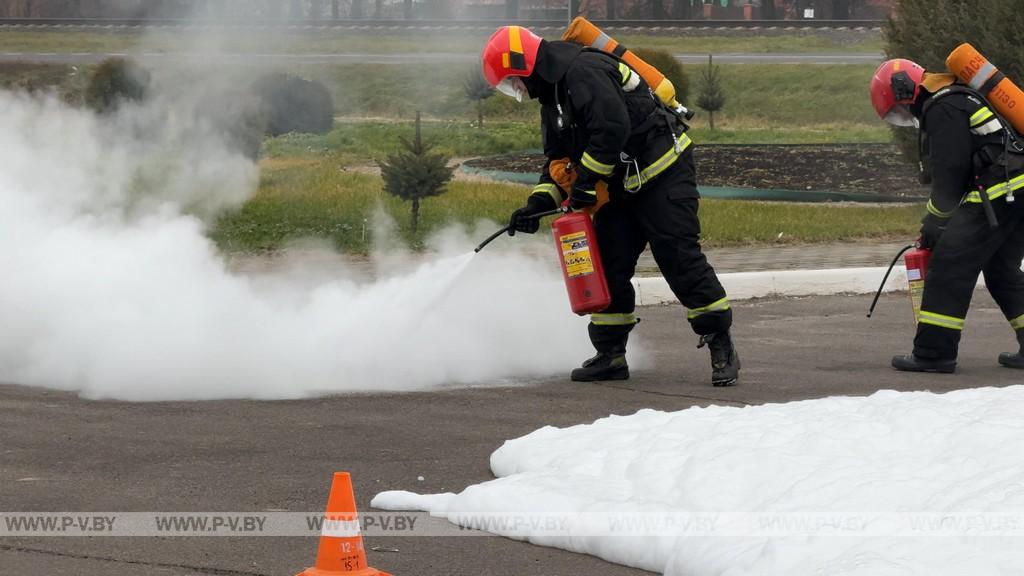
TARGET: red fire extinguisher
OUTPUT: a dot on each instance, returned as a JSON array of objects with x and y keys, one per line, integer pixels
[
  {"x": 581, "y": 263},
  {"x": 916, "y": 261},
  {"x": 581, "y": 260}
]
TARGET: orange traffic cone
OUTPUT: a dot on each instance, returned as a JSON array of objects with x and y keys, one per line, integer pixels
[{"x": 341, "y": 549}]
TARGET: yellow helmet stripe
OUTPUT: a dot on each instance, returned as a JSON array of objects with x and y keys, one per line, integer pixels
[{"x": 515, "y": 41}]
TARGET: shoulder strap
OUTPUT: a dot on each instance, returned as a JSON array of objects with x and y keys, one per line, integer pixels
[
  {"x": 948, "y": 91},
  {"x": 1007, "y": 128}
]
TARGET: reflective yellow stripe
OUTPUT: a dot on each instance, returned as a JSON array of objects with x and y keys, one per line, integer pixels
[
  {"x": 612, "y": 319},
  {"x": 997, "y": 191},
  {"x": 515, "y": 41},
  {"x": 941, "y": 320},
  {"x": 659, "y": 165},
  {"x": 549, "y": 189},
  {"x": 987, "y": 128},
  {"x": 936, "y": 212},
  {"x": 625, "y": 72},
  {"x": 1017, "y": 323},
  {"x": 981, "y": 116},
  {"x": 597, "y": 167},
  {"x": 716, "y": 306}
]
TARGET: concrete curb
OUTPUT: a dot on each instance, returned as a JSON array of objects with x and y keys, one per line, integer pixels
[{"x": 741, "y": 285}]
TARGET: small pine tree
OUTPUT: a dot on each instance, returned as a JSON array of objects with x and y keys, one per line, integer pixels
[
  {"x": 477, "y": 89},
  {"x": 416, "y": 173},
  {"x": 711, "y": 97}
]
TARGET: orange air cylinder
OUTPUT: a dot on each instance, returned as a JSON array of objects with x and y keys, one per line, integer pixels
[
  {"x": 582, "y": 32},
  {"x": 976, "y": 71}
]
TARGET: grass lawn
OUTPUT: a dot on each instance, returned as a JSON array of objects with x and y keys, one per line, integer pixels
[
  {"x": 305, "y": 194},
  {"x": 309, "y": 189},
  {"x": 319, "y": 198},
  {"x": 832, "y": 102},
  {"x": 27, "y": 76},
  {"x": 375, "y": 139},
  {"x": 326, "y": 42},
  {"x": 372, "y": 140},
  {"x": 779, "y": 104},
  {"x": 764, "y": 104}
]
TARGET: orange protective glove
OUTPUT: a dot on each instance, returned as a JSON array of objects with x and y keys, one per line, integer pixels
[{"x": 564, "y": 176}]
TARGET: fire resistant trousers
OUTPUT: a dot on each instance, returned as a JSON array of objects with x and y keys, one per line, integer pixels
[
  {"x": 969, "y": 247},
  {"x": 663, "y": 213}
]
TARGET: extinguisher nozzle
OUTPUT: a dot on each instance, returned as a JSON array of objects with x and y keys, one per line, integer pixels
[{"x": 490, "y": 239}]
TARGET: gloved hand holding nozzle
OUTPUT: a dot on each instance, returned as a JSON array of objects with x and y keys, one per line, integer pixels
[{"x": 527, "y": 218}]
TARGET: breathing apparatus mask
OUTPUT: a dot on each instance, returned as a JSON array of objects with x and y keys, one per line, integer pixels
[
  {"x": 900, "y": 115},
  {"x": 513, "y": 86}
]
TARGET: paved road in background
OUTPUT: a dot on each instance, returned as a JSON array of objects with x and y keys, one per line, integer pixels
[
  {"x": 62, "y": 453},
  {"x": 404, "y": 58}
]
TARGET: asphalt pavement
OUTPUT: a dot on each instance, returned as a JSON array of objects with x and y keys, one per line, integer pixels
[
  {"x": 61, "y": 453},
  {"x": 399, "y": 58}
]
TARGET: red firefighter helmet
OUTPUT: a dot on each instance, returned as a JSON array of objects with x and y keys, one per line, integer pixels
[
  {"x": 509, "y": 55},
  {"x": 894, "y": 87}
]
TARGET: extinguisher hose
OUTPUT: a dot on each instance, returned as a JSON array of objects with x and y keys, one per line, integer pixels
[
  {"x": 505, "y": 229},
  {"x": 886, "y": 277}
]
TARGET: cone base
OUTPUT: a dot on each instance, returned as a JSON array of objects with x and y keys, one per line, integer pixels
[{"x": 312, "y": 571}]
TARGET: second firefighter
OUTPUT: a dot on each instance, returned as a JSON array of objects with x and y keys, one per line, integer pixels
[{"x": 975, "y": 162}]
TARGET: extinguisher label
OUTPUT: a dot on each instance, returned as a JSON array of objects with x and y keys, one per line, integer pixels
[
  {"x": 576, "y": 253},
  {"x": 916, "y": 294},
  {"x": 913, "y": 274}
]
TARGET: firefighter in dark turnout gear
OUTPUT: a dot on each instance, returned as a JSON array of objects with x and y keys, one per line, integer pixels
[
  {"x": 622, "y": 142},
  {"x": 974, "y": 226}
]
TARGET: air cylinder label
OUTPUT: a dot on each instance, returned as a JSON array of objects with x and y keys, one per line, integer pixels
[{"x": 576, "y": 254}]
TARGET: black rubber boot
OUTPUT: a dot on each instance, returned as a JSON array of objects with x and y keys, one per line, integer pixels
[
  {"x": 1014, "y": 359},
  {"x": 911, "y": 363},
  {"x": 610, "y": 361},
  {"x": 602, "y": 367},
  {"x": 725, "y": 362}
]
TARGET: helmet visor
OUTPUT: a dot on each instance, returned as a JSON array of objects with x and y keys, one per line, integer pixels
[
  {"x": 900, "y": 115},
  {"x": 512, "y": 86}
]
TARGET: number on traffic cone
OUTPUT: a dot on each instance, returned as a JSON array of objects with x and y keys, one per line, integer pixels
[{"x": 341, "y": 549}]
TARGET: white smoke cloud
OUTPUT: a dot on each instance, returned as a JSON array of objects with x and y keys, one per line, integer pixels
[{"x": 109, "y": 286}]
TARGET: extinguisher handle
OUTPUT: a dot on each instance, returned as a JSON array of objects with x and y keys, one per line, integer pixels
[{"x": 550, "y": 212}]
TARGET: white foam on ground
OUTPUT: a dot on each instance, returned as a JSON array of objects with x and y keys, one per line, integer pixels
[{"x": 891, "y": 484}]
